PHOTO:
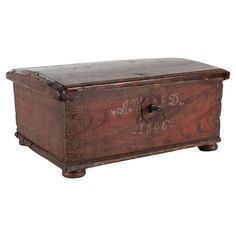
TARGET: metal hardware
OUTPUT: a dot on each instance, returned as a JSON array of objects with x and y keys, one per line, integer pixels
[{"x": 152, "y": 108}]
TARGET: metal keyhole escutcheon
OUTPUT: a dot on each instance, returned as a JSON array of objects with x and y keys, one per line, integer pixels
[{"x": 150, "y": 108}]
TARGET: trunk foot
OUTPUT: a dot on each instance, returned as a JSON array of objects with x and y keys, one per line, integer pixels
[
  {"x": 210, "y": 147},
  {"x": 74, "y": 174}
]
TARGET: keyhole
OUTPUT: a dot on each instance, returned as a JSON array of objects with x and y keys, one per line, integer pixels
[{"x": 152, "y": 108}]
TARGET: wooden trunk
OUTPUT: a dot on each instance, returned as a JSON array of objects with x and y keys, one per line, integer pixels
[{"x": 84, "y": 115}]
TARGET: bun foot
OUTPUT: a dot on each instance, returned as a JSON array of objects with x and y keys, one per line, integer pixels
[
  {"x": 211, "y": 147},
  {"x": 74, "y": 174}
]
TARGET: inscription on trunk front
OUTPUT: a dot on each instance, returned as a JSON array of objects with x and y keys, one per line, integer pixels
[
  {"x": 112, "y": 123},
  {"x": 133, "y": 105},
  {"x": 152, "y": 127}
]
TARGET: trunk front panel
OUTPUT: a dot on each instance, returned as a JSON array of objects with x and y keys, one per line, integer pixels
[{"x": 108, "y": 122}]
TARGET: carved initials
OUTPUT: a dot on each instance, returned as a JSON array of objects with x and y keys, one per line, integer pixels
[
  {"x": 133, "y": 104},
  {"x": 128, "y": 106}
]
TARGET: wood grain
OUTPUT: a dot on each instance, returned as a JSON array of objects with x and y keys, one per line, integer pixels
[
  {"x": 107, "y": 72},
  {"x": 40, "y": 118},
  {"x": 109, "y": 122},
  {"x": 83, "y": 115}
]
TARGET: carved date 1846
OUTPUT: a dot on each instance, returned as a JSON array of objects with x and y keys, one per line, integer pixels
[
  {"x": 152, "y": 127},
  {"x": 133, "y": 105}
]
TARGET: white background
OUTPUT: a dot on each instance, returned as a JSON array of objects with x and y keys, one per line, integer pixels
[{"x": 186, "y": 192}]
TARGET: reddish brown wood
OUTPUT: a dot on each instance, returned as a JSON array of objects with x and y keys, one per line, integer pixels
[
  {"x": 40, "y": 119},
  {"x": 75, "y": 174},
  {"x": 210, "y": 147},
  {"x": 83, "y": 115},
  {"x": 109, "y": 72},
  {"x": 103, "y": 134}
]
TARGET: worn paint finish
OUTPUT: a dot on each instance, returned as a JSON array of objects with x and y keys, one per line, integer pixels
[
  {"x": 109, "y": 72},
  {"x": 76, "y": 119},
  {"x": 109, "y": 122},
  {"x": 40, "y": 118}
]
